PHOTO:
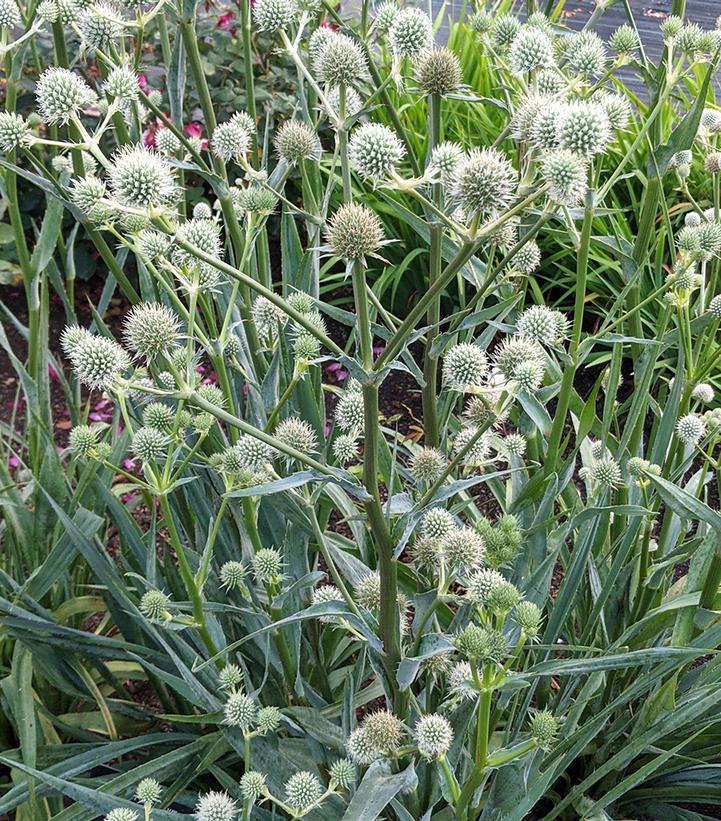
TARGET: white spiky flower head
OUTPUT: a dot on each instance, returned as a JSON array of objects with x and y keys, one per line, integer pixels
[
  {"x": 463, "y": 548},
  {"x": 353, "y": 102},
  {"x": 151, "y": 329},
  {"x": 82, "y": 440},
  {"x": 460, "y": 680},
  {"x": 384, "y": 729},
  {"x": 302, "y": 789},
  {"x": 505, "y": 31},
  {"x": 445, "y": 158},
  {"x": 149, "y": 443},
  {"x": 464, "y": 366},
  {"x": 354, "y": 232},
  {"x": 586, "y": 54},
  {"x": 617, "y": 108},
  {"x": 528, "y": 616},
  {"x": 267, "y": 316},
  {"x": 478, "y": 447},
  {"x": 252, "y": 454},
  {"x": 481, "y": 583},
  {"x": 514, "y": 444},
  {"x": 318, "y": 40},
  {"x": 342, "y": 773},
  {"x": 141, "y": 179},
  {"x": 527, "y": 259},
  {"x": 240, "y": 711},
  {"x": 437, "y": 523},
  {"x": 158, "y": 415},
  {"x": 271, "y": 15},
  {"x": 411, "y": 33},
  {"x": 232, "y": 574},
  {"x": 544, "y": 727},
  {"x": 68, "y": 11},
  {"x": 88, "y": 193},
  {"x": 48, "y": 11},
  {"x": 340, "y": 61},
  {"x": 542, "y": 324},
  {"x": 154, "y": 605},
  {"x": 375, "y": 151},
  {"x": 690, "y": 428},
  {"x": 326, "y": 593},
  {"x": 14, "y": 131},
  {"x": 296, "y": 433},
  {"x": 204, "y": 235},
  {"x": 438, "y": 71},
  {"x": 122, "y": 84},
  {"x": 361, "y": 749},
  {"x": 714, "y": 307},
  {"x": 484, "y": 182},
  {"x": 230, "y": 141},
  {"x": 268, "y": 565},
  {"x": 230, "y": 677},
  {"x": 531, "y": 49},
  {"x": 345, "y": 448},
  {"x": 368, "y": 591},
  {"x": 606, "y": 472},
  {"x": 349, "y": 412},
  {"x": 433, "y": 735},
  {"x": 99, "y": 26},
  {"x": 9, "y": 14},
  {"x": 566, "y": 174},
  {"x": 624, "y": 40},
  {"x": 295, "y": 141},
  {"x": 585, "y": 129},
  {"x": 61, "y": 94},
  {"x": 427, "y": 464},
  {"x": 148, "y": 791},
  {"x": 515, "y": 352},
  {"x": 216, "y": 806},
  {"x": 122, "y": 814},
  {"x": 704, "y": 393},
  {"x": 96, "y": 360},
  {"x": 253, "y": 786},
  {"x": 543, "y": 130},
  {"x": 166, "y": 142}
]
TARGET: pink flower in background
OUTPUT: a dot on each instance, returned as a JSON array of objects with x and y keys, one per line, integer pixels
[
  {"x": 53, "y": 374},
  {"x": 336, "y": 371},
  {"x": 13, "y": 462},
  {"x": 225, "y": 23},
  {"x": 327, "y": 429},
  {"x": 378, "y": 349},
  {"x": 143, "y": 84}
]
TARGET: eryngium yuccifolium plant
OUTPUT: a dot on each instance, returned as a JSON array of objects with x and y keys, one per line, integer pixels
[{"x": 394, "y": 427}]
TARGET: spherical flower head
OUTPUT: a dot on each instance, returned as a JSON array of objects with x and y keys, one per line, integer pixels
[
  {"x": 606, "y": 472},
  {"x": 368, "y": 591},
  {"x": 503, "y": 598},
  {"x": 690, "y": 429},
  {"x": 437, "y": 523},
  {"x": 152, "y": 244},
  {"x": 438, "y": 71},
  {"x": 549, "y": 83},
  {"x": 566, "y": 174},
  {"x": 433, "y": 736},
  {"x": 99, "y": 26},
  {"x": 252, "y": 785},
  {"x": 585, "y": 129},
  {"x": 212, "y": 394},
  {"x": 154, "y": 605},
  {"x": 528, "y": 617},
  {"x": 586, "y": 54},
  {"x": 714, "y": 307},
  {"x": 251, "y": 453},
  {"x": 14, "y": 131},
  {"x": 427, "y": 465},
  {"x": 514, "y": 445},
  {"x": 709, "y": 239},
  {"x": 240, "y": 711},
  {"x": 543, "y": 130},
  {"x": 426, "y": 553},
  {"x": 375, "y": 151},
  {"x": 354, "y": 232},
  {"x": 148, "y": 791},
  {"x": 478, "y": 411},
  {"x": 544, "y": 727},
  {"x": 157, "y": 415},
  {"x": 342, "y": 773},
  {"x": 384, "y": 730},
  {"x": 267, "y": 316},
  {"x": 475, "y": 448},
  {"x": 527, "y": 259},
  {"x": 340, "y": 61},
  {"x": 345, "y": 448},
  {"x": 121, "y": 84},
  {"x": 484, "y": 182},
  {"x": 319, "y": 39},
  {"x": 301, "y": 302},
  {"x": 96, "y": 360},
  {"x": 216, "y": 806},
  {"x": 529, "y": 108},
  {"x": 61, "y": 94},
  {"x": 689, "y": 39},
  {"x": 411, "y": 33},
  {"x": 710, "y": 122},
  {"x": 230, "y": 677},
  {"x": 541, "y": 324},
  {"x": 302, "y": 789},
  {"x": 704, "y": 393},
  {"x": 361, "y": 749},
  {"x": 481, "y": 583},
  {"x": 149, "y": 444},
  {"x": 268, "y": 719},
  {"x": 122, "y": 814},
  {"x": 9, "y": 14},
  {"x": 514, "y": 353},
  {"x": 48, "y": 11},
  {"x": 230, "y": 141},
  {"x": 326, "y": 593},
  {"x": 460, "y": 680},
  {"x": 617, "y": 108},
  {"x": 267, "y": 565},
  {"x": 624, "y": 40},
  {"x": 482, "y": 643},
  {"x": 712, "y": 162},
  {"x": 445, "y": 158},
  {"x": 88, "y": 193},
  {"x": 464, "y": 366},
  {"x": 295, "y": 141},
  {"x": 141, "y": 179},
  {"x": 68, "y": 11},
  {"x": 463, "y": 548},
  {"x": 505, "y": 31},
  {"x": 531, "y": 49},
  {"x": 167, "y": 143},
  {"x": 232, "y": 574},
  {"x": 296, "y": 433},
  {"x": 151, "y": 329},
  {"x": 271, "y": 15},
  {"x": 82, "y": 440}
]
